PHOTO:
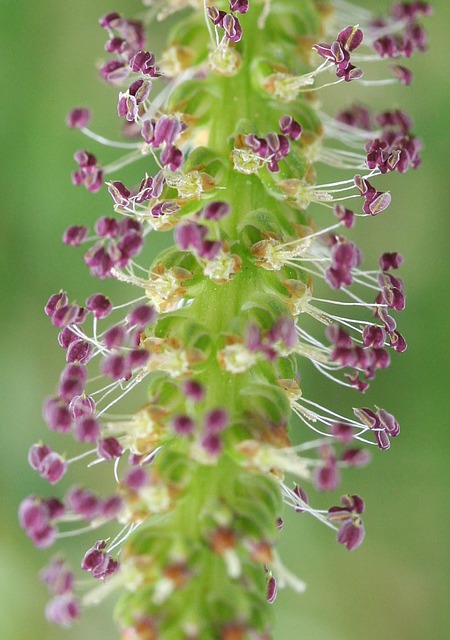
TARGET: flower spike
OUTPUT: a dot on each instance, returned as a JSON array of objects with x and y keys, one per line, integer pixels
[{"x": 189, "y": 390}]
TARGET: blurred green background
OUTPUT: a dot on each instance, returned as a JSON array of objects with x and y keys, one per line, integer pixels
[{"x": 396, "y": 585}]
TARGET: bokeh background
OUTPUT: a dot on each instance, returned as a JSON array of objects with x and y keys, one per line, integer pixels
[{"x": 396, "y": 585}]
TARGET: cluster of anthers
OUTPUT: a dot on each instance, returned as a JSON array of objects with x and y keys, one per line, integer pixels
[{"x": 221, "y": 323}]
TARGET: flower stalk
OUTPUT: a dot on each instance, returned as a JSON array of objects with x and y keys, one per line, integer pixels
[{"x": 227, "y": 135}]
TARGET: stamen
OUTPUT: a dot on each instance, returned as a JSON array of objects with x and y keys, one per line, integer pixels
[
  {"x": 110, "y": 143},
  {"x": 213, "y": 36},
  {"x": 78, "y": 532},
  {"x": 127, "y": 389},
  {"x": 123, "y": 162},
  {"x": 123, "y": 535},
  {"x": 264, "y": 14},
  {"x": 378, "y": 83},
  {"x": 86, "y": 454},
  {"x": 298, "y": 502}
]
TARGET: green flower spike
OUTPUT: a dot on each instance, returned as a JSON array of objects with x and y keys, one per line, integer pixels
[{"x": 228, "y": 136}]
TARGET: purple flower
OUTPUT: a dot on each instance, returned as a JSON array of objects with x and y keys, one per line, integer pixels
[
  {"x": 274, "y": 147},
  {"x": 290, "y": 127},
  {"x": 403, "y": 74},
  {"x": 144, "y": 62},
  {"x": 63, "y": 610},
  {"x": 57, "y": 415},
  {"x": 114, "y": 71},
  {"x": 397, "y": 341},
  {"x": 183, "y": 425},
  {"x": 346, "y": 216},
  {"x": 166, "y": 130},
  {"x": 107, "y": 227},
  {"x": 55, "y": 302},
  {"x": 171, "y": 157},
  {"x": 391, "y": 292},
  {"x": 75, "y": 235},
  {"x": 351, "y": 528},
  {"x": 109, "y": 448},
  {"x": 215, "y": 15},
  {"x": 119, "y": 193},
  {"x": 327, "y": 476},
  {"x": 110, "y": 20},
  {"x": 342, "y": 432},
  {"x": 193, "y": 390},
  {"x": 190, "y": 234},
  {"x": 356, "y": 457},
  {"x": 338, "y": 52},
  {"x": 345, "y": 256},
  {"x": 137, "y": 93},
  {"x": 72, "y": 381},
  {"x": 115, "y": 367},
  {"x": 241, "y": 6},
  {"x": 37, "y": 517},
  {"x": 356, "y": 116},
  {"x": 216, "y": 210},
  {"x": 302, "y": 496},
  {"x": 58, "y": 576},
  {"x": 283, "y": 330},
  {"x": 90, "y": 173},
  {"x": 212, "y": 444},
  {"x": 382, "y": 423},
  {"x": 374, "y": 201},
  {"x": 115, "y": 336},
  {"x": 86, "y": 429},
  {"x": 141, "y": 316},
  {"x": 373, "y": 336},
  {"x": 137, "y": 358},
  {"x": 390, "y": 261},
  {"x": 79, "y": 117},
  {"x": 49, "y": 464},
  {"x": 136, "y": 478},
  {"x": 79, "y": 351},
  {"x": 100, "y": 305},
  {"x": 271, "y": 590},
  {"x": 83, "y": 502},
  {"x": 97, "y": 562},
  {"x": 82, "y": 406},
  {"x": 215, "y": 421},
  {"x": 232, "y": 27}
]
